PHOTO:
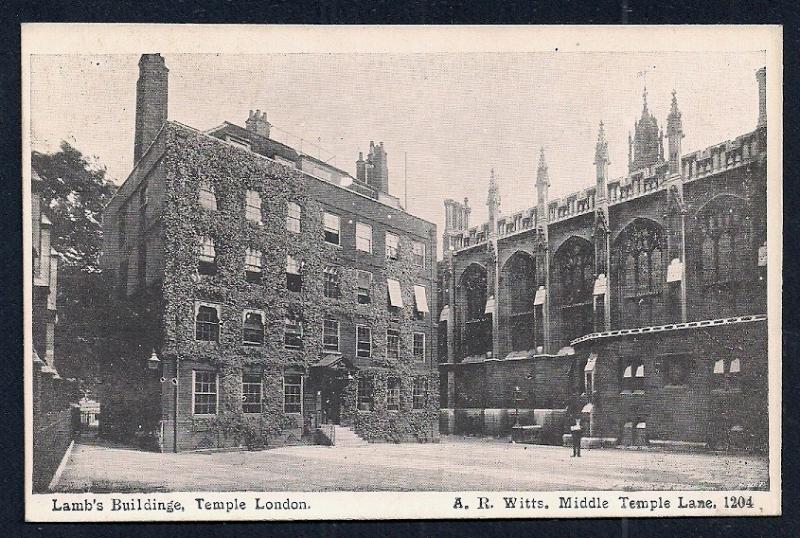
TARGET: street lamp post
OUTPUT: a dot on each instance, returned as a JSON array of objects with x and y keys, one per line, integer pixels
[
  {"x": 153, "y": 363},
  {"x": 517, "y": 399}
]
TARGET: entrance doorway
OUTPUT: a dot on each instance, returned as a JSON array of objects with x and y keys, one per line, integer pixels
[{"x": 329, "y": 378}]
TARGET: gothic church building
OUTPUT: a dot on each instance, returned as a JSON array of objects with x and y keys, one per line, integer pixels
[{"x": 637, "y": 304}]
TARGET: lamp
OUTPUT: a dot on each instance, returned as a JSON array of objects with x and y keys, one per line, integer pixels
[{"x": 153, "y": 361}]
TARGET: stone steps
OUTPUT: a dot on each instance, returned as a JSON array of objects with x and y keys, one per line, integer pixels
[{"x": 348, "y": 438}]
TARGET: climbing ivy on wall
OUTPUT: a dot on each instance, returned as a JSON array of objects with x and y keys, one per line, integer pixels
[{"x": 192, "y": 158}]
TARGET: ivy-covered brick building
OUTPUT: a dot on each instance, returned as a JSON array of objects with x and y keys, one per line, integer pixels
[
  {"x": 637, "y": 304},
  {"x": 280, "y": 293}
]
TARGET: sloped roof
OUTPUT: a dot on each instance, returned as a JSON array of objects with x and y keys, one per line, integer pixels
[{"x": 259, "y": 144}]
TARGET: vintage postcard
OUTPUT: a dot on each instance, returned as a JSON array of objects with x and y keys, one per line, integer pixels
[{"x": 302, "y": 273}]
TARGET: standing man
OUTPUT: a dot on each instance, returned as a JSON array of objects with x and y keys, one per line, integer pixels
[{"x": 577, "y": 433}]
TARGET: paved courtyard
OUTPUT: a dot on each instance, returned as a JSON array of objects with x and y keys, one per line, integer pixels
[{"x": 456, "y": 464}]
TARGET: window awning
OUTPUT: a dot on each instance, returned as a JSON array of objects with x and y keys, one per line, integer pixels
[
  {"x": 640, "y": 370},
  {"x": 490, "y": 306},
  {"x": 328, "y": 361},
  {"x": 719, "y": 367},
  {"x": 395, "y": 297},
  {"x": 421, "y": 299},
  {"x": 736, "y": 366},
  {"x": 590, "y": 362},
  {"x": 674, "y": 270},
  {"x": 445, "y": 314},
  {"x": 628, "y": 372},
  {"x": 600, "y": 285},
  {"x": 541, "y": 293}
]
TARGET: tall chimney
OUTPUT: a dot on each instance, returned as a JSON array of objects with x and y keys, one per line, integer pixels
[
  {"x": 761, "y": 76},
  {"x": 151, "y": 102}
]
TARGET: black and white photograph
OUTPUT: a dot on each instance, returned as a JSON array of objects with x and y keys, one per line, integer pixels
[{"x": 449, "y": 272}]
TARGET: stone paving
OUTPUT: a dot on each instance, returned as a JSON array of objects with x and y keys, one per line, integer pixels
[{"x": 455, "y": 464}]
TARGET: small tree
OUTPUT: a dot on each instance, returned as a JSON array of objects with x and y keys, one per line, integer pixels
[{"x": 74, "y": 192}]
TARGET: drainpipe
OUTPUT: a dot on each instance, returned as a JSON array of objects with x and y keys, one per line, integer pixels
[{"x": 175, "y": 407}]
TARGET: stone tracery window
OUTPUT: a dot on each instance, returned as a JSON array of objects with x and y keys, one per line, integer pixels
[
  {"x": 640, "y": 255},
  {"x": 574, "y": 262},
  {"x": 519, "y": 292},
  {"x": 723, "y": 257},
  {"x": 477, "y": 325}
]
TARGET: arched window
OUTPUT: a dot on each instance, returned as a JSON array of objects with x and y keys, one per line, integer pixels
[
  {"x": 640, "y": 260},
  {"x": 724, "y": 258},
  {"x": 574, "y": 266},
  {"x": 253, "y": 328},
  {"x": 477, "y": 325},
  {"x": 207, "y": 322},
  {"x": 474, "y": 285},
  {"x": 518, "y": 292}
]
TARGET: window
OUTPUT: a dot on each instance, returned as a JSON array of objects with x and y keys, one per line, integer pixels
[
  {"x": 253, "y": 328},
  {"x": 392, "y": 394},
  {"x": 518, "y": 293},
  {"x": 292, "y": 394},
  {"x": 363, "y": 237},
  {"x": 419, "y": 393},
  {"x": 204, "y": 392},
  {"x": 332, "y": 229},
  {"x": 574, "y": 262},
  {"x": 725, "y": 258},
  {"x": 207, "y": 257},
  {"x": 364, "y": 395},
  {"x": 363, "y": 341},
  {"x": 252, "y": 265},
  {"x": 293, "y": 330},
  {"x": 293, "y": 217},
  {"x": 420, "y": 302},
  {"x": 641, "y": 261},
  {"x": 418, "y": 253},
  {"x": 392, "y": 344},
  {"x": 474, "y": 334},
  {"x": 144, "y": 198},
  {"x": 251, "y": 393},
  {"x": 294, "y": 281},
  {"x": 395, "y": 295},
  {"x": 676, "y": 371},
  {"x": 331, "y": 282},
  {"x": 330, "y": 335},
  {"x": 122, "y": 225},
  {"x": 392, "y": 245},
  {"x": 419, "y": 347},
  {"x": 207, "y": 322},
  {"x": 208, "y": 198},
  {"x": 252, "y": 208},
  {"x": 364, "y": 286},
  {"x": 633, "y": 374}
]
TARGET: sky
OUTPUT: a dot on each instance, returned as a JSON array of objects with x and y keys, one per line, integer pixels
[{"x": 451, "y": 116}]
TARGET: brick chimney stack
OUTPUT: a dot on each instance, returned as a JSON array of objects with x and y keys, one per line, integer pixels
[
  {"x": 151, "y": 102},
  {"x": 257, "y": 123},
  {"x": 761, "y": 76}
]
